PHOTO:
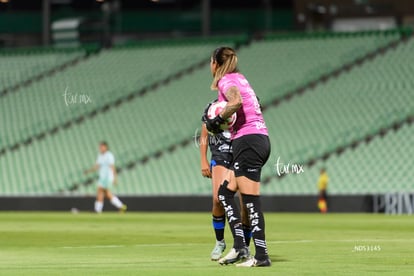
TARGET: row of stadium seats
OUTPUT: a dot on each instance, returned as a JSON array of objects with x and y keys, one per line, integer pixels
[
  {"x": 96, "y": 81},
  {"x": 341, "y": 104},
  {"x": 17, "y": 67},
  {"x": 381, "y": 166},
  {"x": 301, "y": 128},
  {"x": 172, "y": 174},
  {"x": 276, "y": 67},
  {"x": 358, "y": 103},
  {"x": 117, "y": 72},
  {"x": 134, "y": 129}
]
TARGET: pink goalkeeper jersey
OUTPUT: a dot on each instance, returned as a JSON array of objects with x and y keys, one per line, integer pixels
[{"x": 249, "y": 116}]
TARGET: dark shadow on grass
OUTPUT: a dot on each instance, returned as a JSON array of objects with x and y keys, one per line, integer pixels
[{"x": 277, "y": 259}]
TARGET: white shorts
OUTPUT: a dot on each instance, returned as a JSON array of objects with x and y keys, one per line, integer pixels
[{"x": 105, "y": 183}]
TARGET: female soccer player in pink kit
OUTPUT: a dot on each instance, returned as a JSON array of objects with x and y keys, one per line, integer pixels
[{"x": 251, "y": 150}]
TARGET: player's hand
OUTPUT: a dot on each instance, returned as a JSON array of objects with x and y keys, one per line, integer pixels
[
  {"x": 213, "y": 125},
  {"x": 206, "y": 172},
  {"x": 205, "y": 169}
]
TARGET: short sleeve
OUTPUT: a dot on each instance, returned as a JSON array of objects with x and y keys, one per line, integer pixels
[
  {"x": 224, "y": 84},
  {"x": 111, "y": 159}
]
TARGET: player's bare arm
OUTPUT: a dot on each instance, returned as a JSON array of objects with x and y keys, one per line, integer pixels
[
  {"x": 91, "y": 170},
  {"x": 205, "y": 167},
  {"x": 113, "y": 168},
  {"x": 234, "y": 102}
]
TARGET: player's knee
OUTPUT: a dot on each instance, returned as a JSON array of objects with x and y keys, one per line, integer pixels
[
  {"x": 224, "y": 192},
  {"x": 216, "y": 201},
  {"x": 218, "y": 209},
  {"x": 252, "y": 202}
]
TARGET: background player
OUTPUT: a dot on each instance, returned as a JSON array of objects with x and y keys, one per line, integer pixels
[
  {"x": 105, "y": 163},
  {"x": 322, "y": 187},
  {"x": 218, "y": 169},
  {"x": 251, "y": 150}
]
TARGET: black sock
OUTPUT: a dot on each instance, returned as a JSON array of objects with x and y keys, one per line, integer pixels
[
  {"x": 218, "y": 225},
  {"x": 226, "y": 198},
  {"x": 257, "y": 223},
  {"x": 247, "y": 231}
]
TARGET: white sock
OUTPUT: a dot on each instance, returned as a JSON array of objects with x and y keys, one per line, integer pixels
[
  {"x": 116, "y": 202},
  {"x": 98, "y": 206}
]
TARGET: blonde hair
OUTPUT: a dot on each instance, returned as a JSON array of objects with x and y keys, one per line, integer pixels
[{"x": 226, "y": 60}]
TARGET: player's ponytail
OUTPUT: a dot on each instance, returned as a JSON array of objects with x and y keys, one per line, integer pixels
[{"x": 226, "y": 60}]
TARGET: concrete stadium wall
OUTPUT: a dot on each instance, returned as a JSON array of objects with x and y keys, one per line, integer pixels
[{"x": 299, "y": 203}]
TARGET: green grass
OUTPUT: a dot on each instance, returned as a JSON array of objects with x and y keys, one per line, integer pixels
[{"x": 180, "y": 244}]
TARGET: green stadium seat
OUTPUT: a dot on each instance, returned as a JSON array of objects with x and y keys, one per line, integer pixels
[
  {"x": 278, "y": 66},
  {"x": 325, "y": 117},
  {"x": 104, "y": 77},
  {"x": 380, "y": 166},
  {"x": 18, "y": 66}
]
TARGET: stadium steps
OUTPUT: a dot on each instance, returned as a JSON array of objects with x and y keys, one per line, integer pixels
[
  {"x": 28, "y": 135},
  {"x": 346, "y": 61},
  {"x": 164, "y": 171},
  {"x": 124, "y": 128},
  {"x": 21, "y": 68},
  {"x": 130, "y": 160},
  {"x": 115, "y": 97},
  {"x": 38, "y": 130},
  {"x": 161, "y": 139},
  {"x": 159, "y": 155},
  {"x": 379, "y": 102},
  {"x": 376, "y": 165},
  {"x": 169, "y": 173},
  {"x": 341, "y": 148}
]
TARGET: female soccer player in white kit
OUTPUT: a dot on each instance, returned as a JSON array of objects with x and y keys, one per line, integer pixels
[{"x": 105, "y": 163}]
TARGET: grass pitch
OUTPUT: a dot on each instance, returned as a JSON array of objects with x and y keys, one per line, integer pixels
[{"x": 180, "y": 244}]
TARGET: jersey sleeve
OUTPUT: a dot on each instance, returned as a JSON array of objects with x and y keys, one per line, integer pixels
[
  {"x": 224, "y": 84},
  {"x": 111, "y": 159}
]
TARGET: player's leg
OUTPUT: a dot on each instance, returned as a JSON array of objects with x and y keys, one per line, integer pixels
[
  {"x": 250, "y": 191},
  {"x": 99, "y": 202},
  {"x": 256, "y": 151},
  {"x": 226, "y": 194},
  {"x": 115, "y": 201},
  {"x": 247, "y": 229},
  {"x": 219, "y": 220},
  {"x": 322, "y": 205}
]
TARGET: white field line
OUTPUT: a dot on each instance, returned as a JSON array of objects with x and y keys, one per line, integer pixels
[
  {"x": 135, "y": 245},
  {"x": 344, "y": 241},
  {"x": 92, "y": 246},
  {"x": 269, "y": 242}
]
